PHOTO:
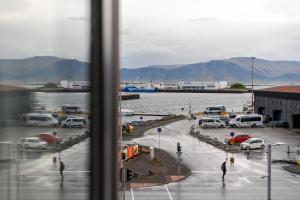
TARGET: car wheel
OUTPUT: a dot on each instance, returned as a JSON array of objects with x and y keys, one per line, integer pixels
[
  {"x": 204, "y": 126},
  {"x": 221, "y": 126},
  {"x": 234, "y": 126},
  {"x": 262, "y": 146},
  {"x": 248, "y": 148},
  {"x": 65, "y": 126},
  {"x": 253, "y": 126}
]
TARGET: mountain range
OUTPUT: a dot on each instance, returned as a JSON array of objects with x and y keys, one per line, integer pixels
[
  {"x": 231, "y": 70},
  {"x": 238, "y": 69},
  {"x": 43, "y": 69}
]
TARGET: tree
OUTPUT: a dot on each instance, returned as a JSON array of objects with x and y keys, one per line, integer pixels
[
  {"x": 237, "y": 86},
  {"x": 50, "y": 85}
]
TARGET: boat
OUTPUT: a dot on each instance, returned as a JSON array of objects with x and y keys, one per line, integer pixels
[{"x": 139, "y": 89}]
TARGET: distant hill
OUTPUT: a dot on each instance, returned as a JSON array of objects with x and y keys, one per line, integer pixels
[
  {"x": 43, "y": 69},
  {"x": 54, "y": 69},
  {"x": 232, "y": 70}
]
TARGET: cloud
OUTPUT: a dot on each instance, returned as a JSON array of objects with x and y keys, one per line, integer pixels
[
  {"x": 13, "y": 6},
  {"x": 204, "y": 19}
]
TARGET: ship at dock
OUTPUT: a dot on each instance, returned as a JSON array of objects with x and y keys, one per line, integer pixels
[{"x": 139, "y": 89}]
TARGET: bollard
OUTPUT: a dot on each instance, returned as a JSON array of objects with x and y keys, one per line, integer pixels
[
  {"x": 231, "y": 160},
  {"x": 54, "y": 159},
  {"x": 288, "y": 149}
]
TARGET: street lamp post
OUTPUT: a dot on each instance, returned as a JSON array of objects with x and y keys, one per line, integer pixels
[{"x": 252, "y": 59}]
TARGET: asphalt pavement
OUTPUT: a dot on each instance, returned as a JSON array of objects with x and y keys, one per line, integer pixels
[{"x": 245, "y": 179}]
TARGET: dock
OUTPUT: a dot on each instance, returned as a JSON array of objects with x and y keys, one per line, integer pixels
[
  {"x": 205, "y": 91},
  {"x": 129, "y": 96}
]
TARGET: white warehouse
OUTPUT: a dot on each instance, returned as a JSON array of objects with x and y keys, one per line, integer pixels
[
  {"x": 75, "y": 84},
  {"x": 202, "y": 85}
]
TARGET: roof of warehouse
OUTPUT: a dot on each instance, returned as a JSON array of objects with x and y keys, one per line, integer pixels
[
  {"x": 5, "y": 87},
  {"x": 283, "y": 89}
]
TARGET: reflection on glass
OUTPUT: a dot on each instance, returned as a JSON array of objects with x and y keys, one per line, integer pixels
[{"x": 44, "y": 99}]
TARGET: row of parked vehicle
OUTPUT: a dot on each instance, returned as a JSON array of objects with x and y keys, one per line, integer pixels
[
  {"x": 246, "y": 141},
  {"x": 47, "y": 119},
  {"x": 41, "y": 141},
  {"x": 238, "y": 121}
]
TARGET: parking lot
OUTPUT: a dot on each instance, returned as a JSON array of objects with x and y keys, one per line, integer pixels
[{"x": 269, "y": 135}]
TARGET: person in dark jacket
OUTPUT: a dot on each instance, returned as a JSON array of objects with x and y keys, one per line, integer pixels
[
  {"x": 61, "y": 169},
  {"x": 223, "y": 167}
]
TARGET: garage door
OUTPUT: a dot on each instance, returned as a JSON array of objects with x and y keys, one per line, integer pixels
[{"x": 296, "y": 121}]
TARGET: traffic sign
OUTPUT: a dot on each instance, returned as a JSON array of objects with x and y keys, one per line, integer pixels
[
  {"x": 159, "y": 130},
  {"x": 232, "y": 134}
]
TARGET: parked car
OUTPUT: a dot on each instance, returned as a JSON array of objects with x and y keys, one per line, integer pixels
[
  {"x": 32, "y": 142},
  {"x": 74, "y": 122},
  {"x": 212, "y": 122},
  {"x": 67, "y": 108},
  {"x": 239, "y": 138},
  {"x": 50, "y": 138},
  {"x": 253, "y": 143}
]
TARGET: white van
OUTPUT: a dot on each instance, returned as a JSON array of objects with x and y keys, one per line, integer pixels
[
  {"x": 212, "y": 122},
  {"x": 67, "y": 108},
  {"x": 254, "y": 120},
  {"x": 218, "y": 109},
  {"x": 32, "y": 142},
  {"x": 39, "y": 119},
  {"x": 74, "y": 122}
]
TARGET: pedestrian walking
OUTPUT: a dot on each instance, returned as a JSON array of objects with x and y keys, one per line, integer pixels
[
  {"x": 223, "y": 167},
  {"x": 61, "y": 169}
]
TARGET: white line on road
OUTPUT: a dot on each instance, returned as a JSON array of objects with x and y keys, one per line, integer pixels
[
  {"x": 213, "y": 172},
  {"x": 70, "y": 171},
  {"x": 168, "y": 192},
  {"x": 132, "y": 196}
]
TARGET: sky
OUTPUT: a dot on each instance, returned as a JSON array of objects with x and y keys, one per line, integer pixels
[
  {"x": 44, "y": 28},
  {"x": 188, "y": 31},
  {"x": 154, "y": 32}
]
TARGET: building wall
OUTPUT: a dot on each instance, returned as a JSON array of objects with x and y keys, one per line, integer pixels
[{"x": 287, "y": 107}]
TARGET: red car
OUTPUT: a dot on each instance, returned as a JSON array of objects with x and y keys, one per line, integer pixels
[
  {"x": 50, "y": 138},
  {"x": 239, "y": 138}
]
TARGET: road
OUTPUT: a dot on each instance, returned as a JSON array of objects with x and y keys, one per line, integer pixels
[
  {"x": 36, "y": 177},
  {"x": 243, "y": 181}
]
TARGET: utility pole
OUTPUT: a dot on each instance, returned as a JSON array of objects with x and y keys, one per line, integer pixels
[{"x": 252, "y": 59}]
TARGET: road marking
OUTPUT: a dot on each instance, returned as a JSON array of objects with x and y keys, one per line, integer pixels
[
  {"x": 132, "y": 196},
  {"x": 56, "y": 171},
  {"x": 245, "y": 179},
  {"x": 213, "y": 172},
  {"x": 168, "y": 192}
]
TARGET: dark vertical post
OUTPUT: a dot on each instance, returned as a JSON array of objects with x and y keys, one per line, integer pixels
[
  {"x": 252, "y": 59},
  {"x": 269, "y": 170},
  {"x": 104, "y": 100}
]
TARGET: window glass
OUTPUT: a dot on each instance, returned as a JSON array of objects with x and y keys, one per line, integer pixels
[{"x": 44, "y": 51}]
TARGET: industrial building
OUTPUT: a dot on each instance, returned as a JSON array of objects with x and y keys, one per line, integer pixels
[
  {"x": 75, "y": 84},
  {"x": 14, "y": 101},
  {"x": 202, "y": 85},
  {"x": 281, "y": 103}
]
